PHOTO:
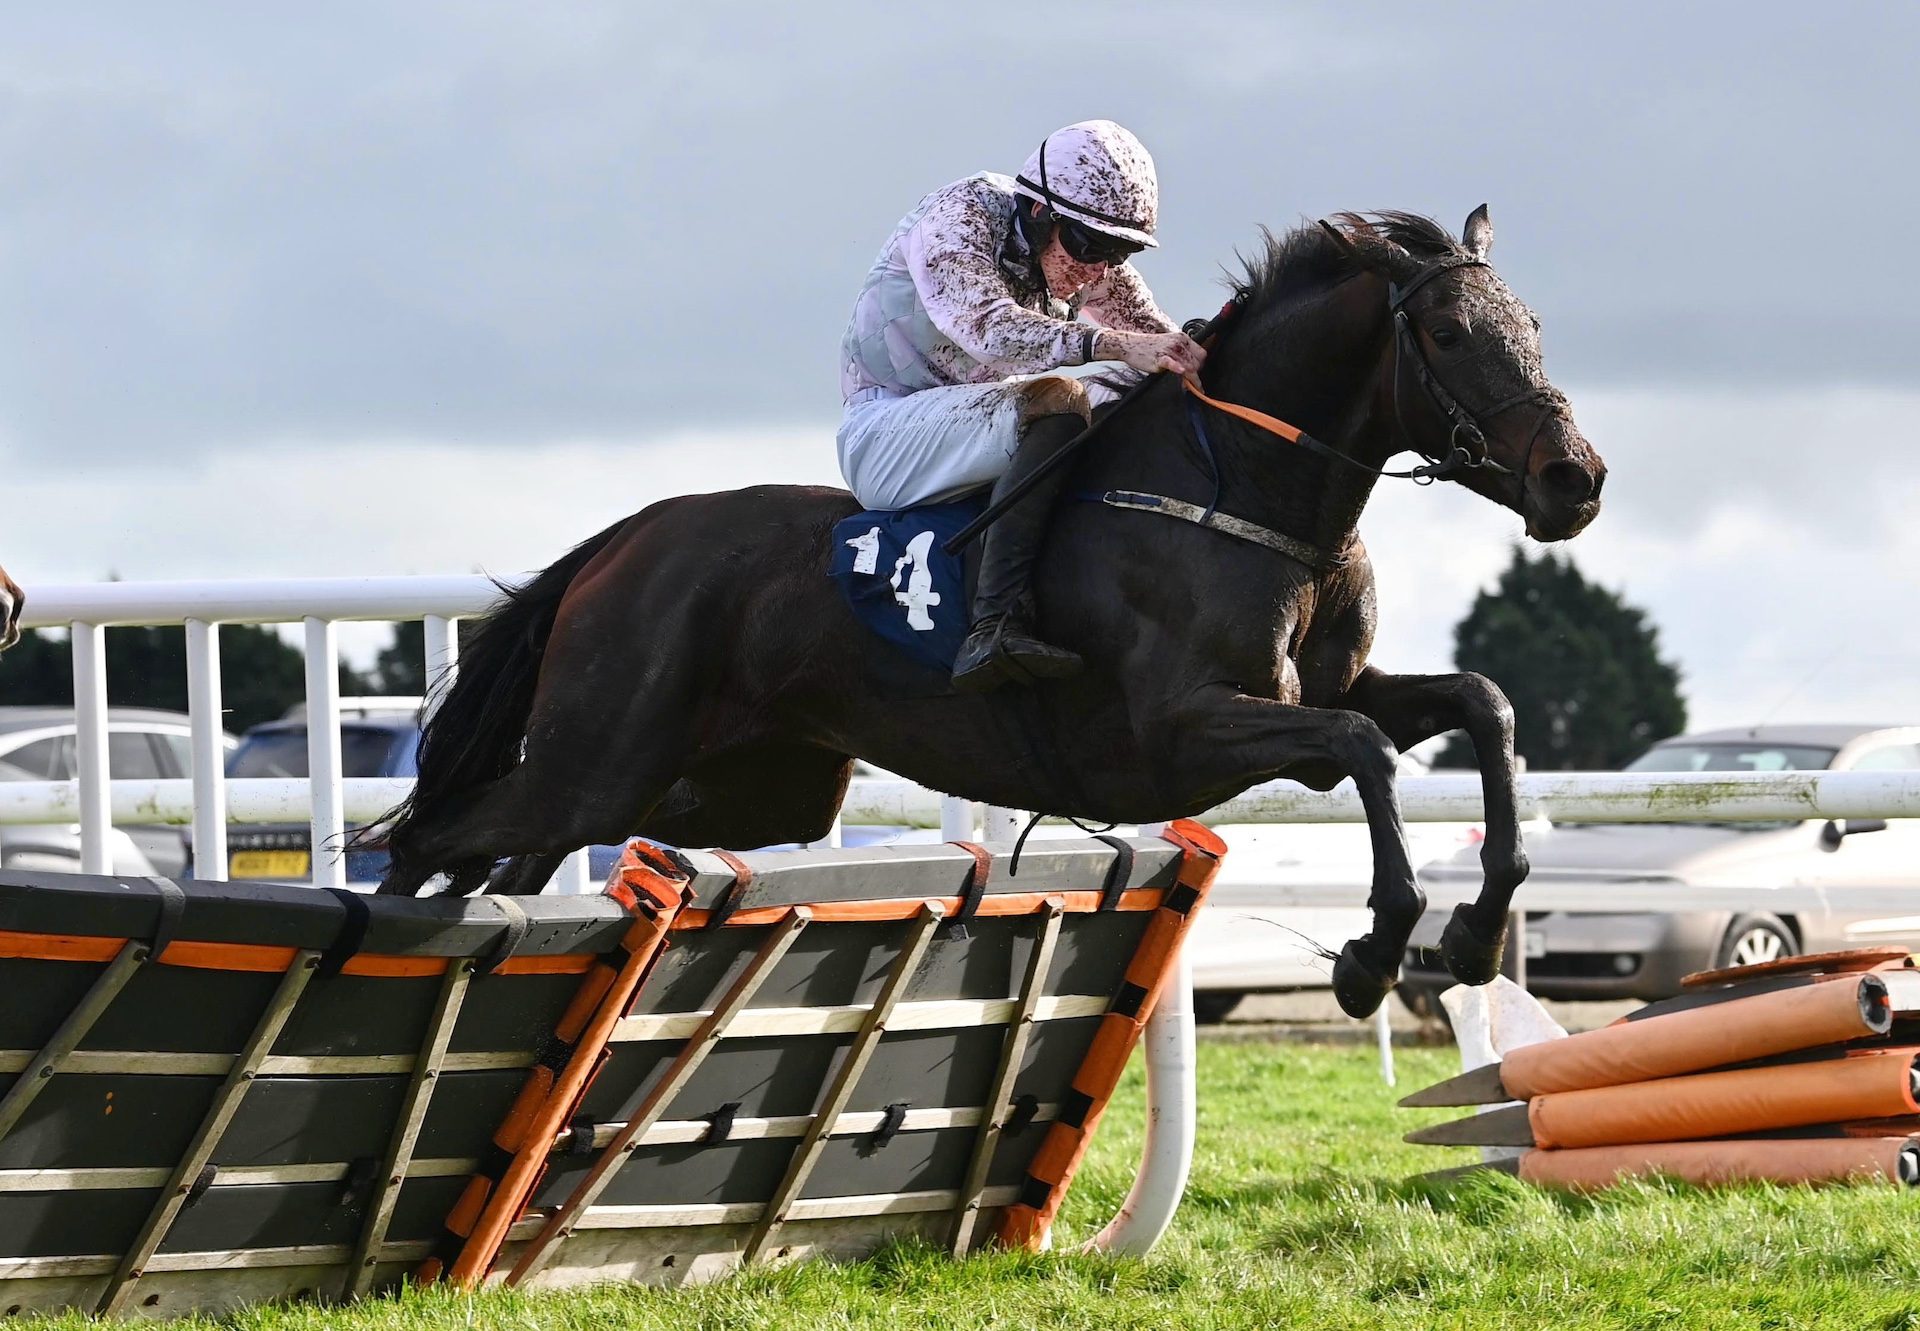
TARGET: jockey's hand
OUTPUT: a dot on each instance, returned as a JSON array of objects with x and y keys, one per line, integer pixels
[{"x": 1148, "y": 352}]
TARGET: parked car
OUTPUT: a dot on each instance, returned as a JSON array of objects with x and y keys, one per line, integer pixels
[
  {"x": 38, "y": 744},
  {"x": 1608, "y": 955},
  {"x": 379, "y": 737}
]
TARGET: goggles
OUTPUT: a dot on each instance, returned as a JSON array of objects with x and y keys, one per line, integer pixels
[{"x": 1085, "y": 245}]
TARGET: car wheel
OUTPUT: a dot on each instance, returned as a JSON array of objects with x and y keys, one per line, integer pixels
[
  {"x": 1752, "y": 939},
  {"x": 1212, "y": 1006}
]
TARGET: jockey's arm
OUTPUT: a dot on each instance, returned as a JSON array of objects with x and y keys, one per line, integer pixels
[
  {"x": 952, "y": 253},
  {"x": 1121, "y": 300}
]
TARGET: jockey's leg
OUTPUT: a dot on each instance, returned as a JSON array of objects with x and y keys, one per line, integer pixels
[{"x": 1002, "y": 648}]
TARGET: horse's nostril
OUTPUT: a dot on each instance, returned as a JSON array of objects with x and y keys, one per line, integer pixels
[{"x": 1569, "y": 482}]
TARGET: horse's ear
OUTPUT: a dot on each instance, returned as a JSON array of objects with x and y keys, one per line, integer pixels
[
  {"x": 1371, "y": 250},
  {"x": 1343, "y": 240},
  {"x": 1477, "y": 236}
]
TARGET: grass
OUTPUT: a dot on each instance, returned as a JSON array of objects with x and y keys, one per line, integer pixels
[{"x": 1301, "y": 1214}]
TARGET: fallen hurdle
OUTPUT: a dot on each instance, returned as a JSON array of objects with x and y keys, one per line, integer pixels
[
  {"x": 1800, "y": 1070},
  {"x": 216, "y": 1094}
]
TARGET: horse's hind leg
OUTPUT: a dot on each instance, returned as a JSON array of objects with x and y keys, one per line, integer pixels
[
  {"x": 526, "y": 875},
  {"x": 760, "y": 796},
  {"x": 591, "y": 771}
]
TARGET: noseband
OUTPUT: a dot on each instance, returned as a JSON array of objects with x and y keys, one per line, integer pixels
[{"x": 1467, "y": 448}]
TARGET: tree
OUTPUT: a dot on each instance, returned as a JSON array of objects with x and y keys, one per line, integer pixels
[
  {"x": 400, "y": 668},
  {"x": 261, "y": 674},
  {"x": 1581, "y": 667}
]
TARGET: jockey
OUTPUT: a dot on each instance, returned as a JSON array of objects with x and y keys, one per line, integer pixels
[{"x": 944, "y": 366}]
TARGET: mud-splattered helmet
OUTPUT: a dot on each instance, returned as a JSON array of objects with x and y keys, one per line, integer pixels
[{"x": 1099, "y": 176}]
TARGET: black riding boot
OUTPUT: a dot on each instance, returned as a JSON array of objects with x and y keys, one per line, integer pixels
[{"x": 1001, "y": 648}]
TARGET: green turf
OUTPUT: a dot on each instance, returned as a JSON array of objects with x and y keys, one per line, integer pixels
[{"x": 1300, "y": 1215}]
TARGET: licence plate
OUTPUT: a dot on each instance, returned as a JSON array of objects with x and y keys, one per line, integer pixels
[
  {"x": 269, "y": 864},
  {"x": 1536, "y": 944}
]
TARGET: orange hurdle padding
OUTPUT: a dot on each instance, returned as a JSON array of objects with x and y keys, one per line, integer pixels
[
  {"x": 1875, "y": 1084},
  {"x": 1713, "y": 1164},
  {"x": 1736, "y": 1031},
  {"x": 1025, "y": 1223},
  {"x": 653, "y": 890}
]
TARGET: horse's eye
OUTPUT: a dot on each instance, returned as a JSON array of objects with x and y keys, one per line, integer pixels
[{"x": 1445, "y": 338}]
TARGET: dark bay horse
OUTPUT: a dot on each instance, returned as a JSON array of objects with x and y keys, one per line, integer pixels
[
  {"x": 692, "y": 675},
  {"x": 12, "y": 602}
]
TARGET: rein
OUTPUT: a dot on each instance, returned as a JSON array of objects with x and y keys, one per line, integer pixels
[
  {"x": 1461, "y": 457},
  {"x": 1467, "y": 448}
]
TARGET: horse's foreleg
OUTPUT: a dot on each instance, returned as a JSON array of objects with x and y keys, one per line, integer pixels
[
  {"x": 1412, "y": 708},
  {"x": 1223, "y": 741}
]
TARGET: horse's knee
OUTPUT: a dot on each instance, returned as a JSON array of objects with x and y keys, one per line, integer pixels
[
  {"x": 1482, "y": 695},
  {"x": 1053, "y": 395},
  {"x": 1359, "y": 744}
]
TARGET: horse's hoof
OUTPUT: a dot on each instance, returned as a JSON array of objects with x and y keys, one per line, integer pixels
[
  {"x": 1470, "y": 958},
  {"x": 1357, "y": 986}
]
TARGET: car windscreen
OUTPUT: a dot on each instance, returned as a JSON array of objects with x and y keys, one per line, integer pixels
[
  {"x": 364, "y": 751},
  {"x": 1753, "y": 756}
]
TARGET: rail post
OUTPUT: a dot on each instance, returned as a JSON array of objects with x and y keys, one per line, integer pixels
[
  {"x": 323, "y": 753},
  {"x": 90, "y": 747},
  {"x": 204, "y": 712}
]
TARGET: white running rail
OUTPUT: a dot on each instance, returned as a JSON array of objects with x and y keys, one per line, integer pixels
[{"x": 318, "y": 604}]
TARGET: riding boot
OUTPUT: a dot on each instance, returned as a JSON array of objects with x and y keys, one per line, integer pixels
[{"x": 1001, "y": 647}]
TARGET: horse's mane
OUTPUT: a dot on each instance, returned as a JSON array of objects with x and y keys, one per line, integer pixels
[{"x": 1308, "y": 257}]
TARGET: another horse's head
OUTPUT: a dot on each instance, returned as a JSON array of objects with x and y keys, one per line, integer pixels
[{"x": 1464, "y": 371}]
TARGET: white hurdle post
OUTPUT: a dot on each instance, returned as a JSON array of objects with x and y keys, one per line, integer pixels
[
  {"x": 328, "y": 823},
  {"x": 442, "y": 652},
  {"x": 957, "y": 817},
  {"x": 1172, "y": 1118},
  {"x": 90, "y": 757},
  {"x": 1001, "y": 825},
  {"x": 209, "y": 754}
]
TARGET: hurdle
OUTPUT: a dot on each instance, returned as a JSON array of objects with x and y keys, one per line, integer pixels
[
  {"x": 1805, "y": 1069},
  {"x": 215, "y": 1094}
]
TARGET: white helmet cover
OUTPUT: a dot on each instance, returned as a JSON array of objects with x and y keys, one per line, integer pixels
[{"x": 1098, "y": 174}]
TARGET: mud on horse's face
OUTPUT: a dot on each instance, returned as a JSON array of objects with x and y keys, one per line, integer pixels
[{"x": 1480, "y": 346}]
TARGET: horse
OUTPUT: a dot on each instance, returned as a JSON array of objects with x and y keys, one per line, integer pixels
[
  {"x": 691, "y": 675},
  {"x": 12, "y": 602}
]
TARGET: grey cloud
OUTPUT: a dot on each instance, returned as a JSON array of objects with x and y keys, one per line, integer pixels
[{"x": 496, "y": 225}]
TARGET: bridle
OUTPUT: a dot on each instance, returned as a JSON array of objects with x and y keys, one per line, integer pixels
[
  {"x": 1467, "y": 448},
  {"x": 1466, "y": 452}
]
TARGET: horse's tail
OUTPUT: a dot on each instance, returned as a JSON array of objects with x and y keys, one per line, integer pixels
[{"x": 474, "y": 731}]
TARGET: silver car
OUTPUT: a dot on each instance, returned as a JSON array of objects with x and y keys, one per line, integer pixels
[
  {"x": 1582, "y": 955},
  {"x": 37, "y": 744}
]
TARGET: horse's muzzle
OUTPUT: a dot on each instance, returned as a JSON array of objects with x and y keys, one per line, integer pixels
[{"x": 1561, "y": 495}]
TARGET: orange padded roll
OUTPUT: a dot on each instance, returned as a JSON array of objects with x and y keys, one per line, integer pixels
[
  {"x": 1708, "y": 1164},
  {"x": 1735, "y": 1031},
  {"x": 1717, "y": 1104}
]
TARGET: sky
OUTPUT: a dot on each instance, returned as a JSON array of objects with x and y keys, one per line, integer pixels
[{"x": 355, "y": 288}]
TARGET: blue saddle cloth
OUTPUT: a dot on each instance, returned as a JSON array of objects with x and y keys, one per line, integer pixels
[{"x": 900, "y": 584}]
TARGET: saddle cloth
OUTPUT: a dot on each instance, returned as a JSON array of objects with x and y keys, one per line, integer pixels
[{"x": 901, "y": 585}]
